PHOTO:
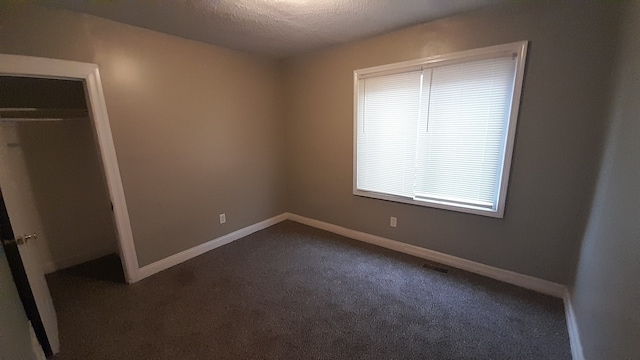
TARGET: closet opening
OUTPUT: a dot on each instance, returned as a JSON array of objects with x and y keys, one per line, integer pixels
[{"x": 47, "y": 142}]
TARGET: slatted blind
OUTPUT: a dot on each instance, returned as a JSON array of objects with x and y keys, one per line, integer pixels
[
  {"x": 388, "y": 116},
  {"x": 460, "y": 153},
  {"x": 436, "y": 134}
]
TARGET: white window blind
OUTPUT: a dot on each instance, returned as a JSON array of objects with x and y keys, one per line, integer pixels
[
  {"x": 459, "y": 158},
  {"x": 438, "y": 134},
  {"x": 387, "y": 133}
]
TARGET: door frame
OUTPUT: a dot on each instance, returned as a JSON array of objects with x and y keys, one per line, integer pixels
[{"x": 28, "y": 66}]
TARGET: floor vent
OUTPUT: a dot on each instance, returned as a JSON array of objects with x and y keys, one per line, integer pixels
[{"x": 435, "y": 266}]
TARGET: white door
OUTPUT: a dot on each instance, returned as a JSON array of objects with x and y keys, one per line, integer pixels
[
  {"x": 23, "y": 214},
  {"x": 17, "y": 339}
]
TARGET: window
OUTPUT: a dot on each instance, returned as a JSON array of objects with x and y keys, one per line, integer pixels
[{"x": 439, "y": 131}]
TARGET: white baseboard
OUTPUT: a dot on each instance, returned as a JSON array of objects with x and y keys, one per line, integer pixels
[
  {"x": 572, "y": 327},
  {"x": 60, "y": 264},
  {"x": 525, "y": 281},
  {"x": 510, "y": 277},
  {"x": 183, "y": 256}
]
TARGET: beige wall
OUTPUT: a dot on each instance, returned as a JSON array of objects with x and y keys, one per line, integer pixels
[
  {"x": 69, "y": 190},
  {"x": 197, "y": 128},
  {"x": 556, "y": 150},
  {"x": 606, "y": 291}
]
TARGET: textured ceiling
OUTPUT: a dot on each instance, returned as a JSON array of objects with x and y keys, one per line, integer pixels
[{"x": 276, "y": 28}]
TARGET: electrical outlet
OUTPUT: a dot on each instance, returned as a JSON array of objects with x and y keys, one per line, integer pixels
[
  {"x": 393, "y": 221},
  {"x": 223, "y": 218}
]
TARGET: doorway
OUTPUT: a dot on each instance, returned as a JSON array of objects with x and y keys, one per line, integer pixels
[
  {"x": 46, "y": 141},
  {"x": 33, "y": 142}
]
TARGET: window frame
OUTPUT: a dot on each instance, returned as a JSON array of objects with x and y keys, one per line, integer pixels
[{"x": 519, "y": 50}]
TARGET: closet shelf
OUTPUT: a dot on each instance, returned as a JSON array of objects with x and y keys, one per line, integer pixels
[{"x": 33, "y": 114}]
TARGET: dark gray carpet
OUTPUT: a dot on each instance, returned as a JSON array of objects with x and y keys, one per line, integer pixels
[{"x": 294, "y": 292}]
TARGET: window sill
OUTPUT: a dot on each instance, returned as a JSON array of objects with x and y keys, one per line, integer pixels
[{"x": 469, "y": 209}]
